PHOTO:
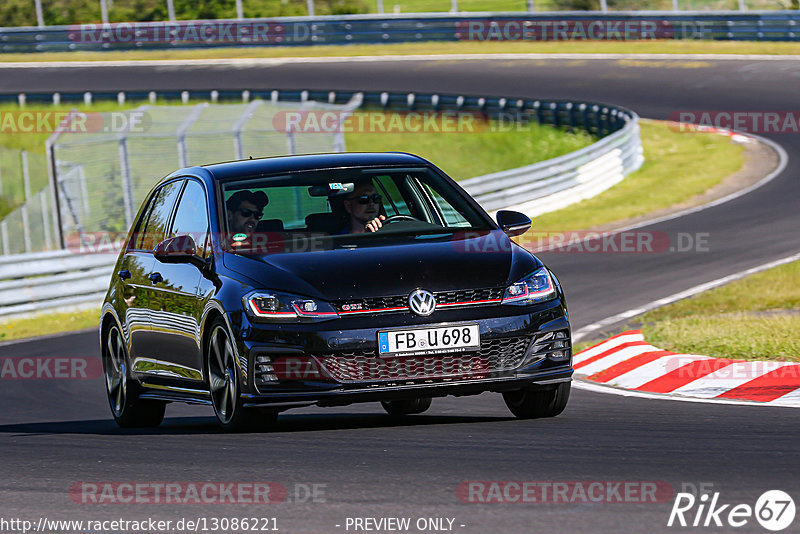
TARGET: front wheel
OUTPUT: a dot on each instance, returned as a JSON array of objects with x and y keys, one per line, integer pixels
[
  {"x": 225, "y": 385},
  {"x": 535, "y": 403},
  {"x": 406, "y": 406},
  {"x": 128, "y": 410}
]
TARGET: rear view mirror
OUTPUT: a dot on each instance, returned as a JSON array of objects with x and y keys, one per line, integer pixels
[
  {"x": 333, "y": 189},
  {"x": 513, "y": 223},
  {"x": 178, "y": 249}
]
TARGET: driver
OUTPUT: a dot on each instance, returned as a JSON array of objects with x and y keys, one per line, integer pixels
[
  {"x": 363, "y": 207},
  {"x": 244, "y": 209}
]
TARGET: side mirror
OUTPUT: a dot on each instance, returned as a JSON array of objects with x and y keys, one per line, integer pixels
[
  {"x": 513, "y": 223},
  {"x": 178, "y": 249}
]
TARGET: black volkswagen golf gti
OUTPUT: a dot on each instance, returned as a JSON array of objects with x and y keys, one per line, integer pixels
[{"x": 262, "y": 285}]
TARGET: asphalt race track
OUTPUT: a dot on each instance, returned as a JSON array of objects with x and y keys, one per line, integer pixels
[{"x": 59, "y": 432}]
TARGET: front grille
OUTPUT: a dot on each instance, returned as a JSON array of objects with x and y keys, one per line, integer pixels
[
  {"x": 495, "y": 355},
  {"x": 399, "y": 303}
]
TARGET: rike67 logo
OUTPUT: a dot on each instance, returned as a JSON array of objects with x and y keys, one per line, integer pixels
[{"x": 774, "y": 510}]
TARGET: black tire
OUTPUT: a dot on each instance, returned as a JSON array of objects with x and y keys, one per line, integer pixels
[
  {"x": 128, "y": 409},
  {"x": 225, "y": 385},
  {"x": 535, "y": 403},
  {"x": 406, "y": 406}
]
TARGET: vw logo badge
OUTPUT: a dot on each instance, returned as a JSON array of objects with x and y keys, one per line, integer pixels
[{"x": 422, "y": 302}]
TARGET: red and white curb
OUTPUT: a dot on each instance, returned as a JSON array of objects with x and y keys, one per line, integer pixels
[{"x": 627, "y": 361}]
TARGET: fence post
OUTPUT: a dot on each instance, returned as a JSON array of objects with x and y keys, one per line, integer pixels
[
  {"x": 238, "y": 126},
  {"x": 26, "y": 175},
  {"x": 26, "y": 229},
  {"x": 183, "y": 151},
  {"x": 531, "y": 8},
  {"x": 239, "y": 10},
  {"x": 310, "y": 6},
  {"x": 39, "y": 14},
  {"x": 48, "y": 244},
  {"x": 675, "y": 6},
  {"x": 454, "y": 6},
  {"x": 290, "y": 146},
  {"x": 4, "y": 234},
  {"x": 104, "y": 11},
  {"x": 125, "y": 173},
  {"x": 603, "y": 5},
  {"x": 52, "y": 172},
  {"x": 380, "y": 6}
]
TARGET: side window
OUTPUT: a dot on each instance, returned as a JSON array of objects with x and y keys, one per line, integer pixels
[
  {"x": 393, "y": 201},
  {"x": 191, "y": 216},
  {"x": 138, "y": 236},
  {"x": 452, "y": 217},
  {"x": 155, "y": 227}
]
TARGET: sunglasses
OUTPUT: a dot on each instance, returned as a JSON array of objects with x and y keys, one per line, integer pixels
[
  {"x": 251, "y": 213},
  {"x": 366, "y": 199}
]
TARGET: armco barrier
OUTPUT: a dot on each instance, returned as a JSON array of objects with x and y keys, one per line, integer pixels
[
  {"x": 34, "y": 282},
  {"x": 371, "y": 29}
]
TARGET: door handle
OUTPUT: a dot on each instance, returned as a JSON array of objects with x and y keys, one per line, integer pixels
[
  {"x": 124, "y": 274},
  {"x": 156, "y": 278}
]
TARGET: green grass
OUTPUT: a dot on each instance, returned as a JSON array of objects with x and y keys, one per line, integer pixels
[
  {"x": 49, "y": 323},
  {"x": 465, "y": 155},
  {"x": 756, "y": 318},
  {"x": 677, "y": 167},
  {"x": 464, "y": 47}
]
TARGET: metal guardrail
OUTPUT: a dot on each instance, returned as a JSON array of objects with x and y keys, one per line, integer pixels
[
  {"x": 36, "y": 282},
  {"x": 372, "y": 29},
  {"x": 52, "y": 280}
]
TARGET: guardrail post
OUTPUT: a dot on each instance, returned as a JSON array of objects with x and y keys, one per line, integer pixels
[
  {"x": 104, "y": 11},
  {"x": 171, "y": 10},
  {"x": 530, "y": 6},
  {"x": 290, "y": 145},
  {"x": 310, "y": 7},
  {"x": 453, "y": 6},
  {"x": 603, "y": 5},
  {"x": 380, "y": 6},
  {"x": 239, "y": 10}
]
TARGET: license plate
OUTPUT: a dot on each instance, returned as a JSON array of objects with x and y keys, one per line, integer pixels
[{"x": 426, "y": 341}]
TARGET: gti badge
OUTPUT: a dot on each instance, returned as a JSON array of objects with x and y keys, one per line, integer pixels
[{"x": 422, "y": 302}]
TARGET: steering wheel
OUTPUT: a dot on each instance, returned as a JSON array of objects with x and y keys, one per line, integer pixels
[{"x": 395, "y": 218}]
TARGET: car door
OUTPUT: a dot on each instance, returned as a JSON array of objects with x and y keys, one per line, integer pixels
[
  {"x": 177, "y": 309},
  {"x": 133, "y": 287},
  {"x": 144, "y": 358}
]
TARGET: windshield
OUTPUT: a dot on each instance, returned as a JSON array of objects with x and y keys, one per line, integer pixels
[{"x": 339, "y": 207}]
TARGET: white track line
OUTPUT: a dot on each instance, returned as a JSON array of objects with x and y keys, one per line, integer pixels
[
  {"x": 266, "y": 62},
  {"x": 600, "y": 388},
  {"x": 614, "y": 319}
]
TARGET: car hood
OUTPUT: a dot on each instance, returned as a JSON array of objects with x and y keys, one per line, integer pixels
[{"x": 461, "y": 261}]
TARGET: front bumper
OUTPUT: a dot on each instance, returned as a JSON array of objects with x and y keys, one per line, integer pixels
[{"x": 528, "y": 358}]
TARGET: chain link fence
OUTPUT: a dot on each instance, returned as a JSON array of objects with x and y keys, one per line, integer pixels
[
  {"x": 25, "y": 207},
  {"x": 102, "y": 176}
]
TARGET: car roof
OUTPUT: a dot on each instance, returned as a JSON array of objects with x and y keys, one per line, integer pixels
[{"x": 281, "y": 164}]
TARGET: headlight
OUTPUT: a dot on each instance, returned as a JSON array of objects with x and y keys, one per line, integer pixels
[
  {"x": 284, "y": 307},
  {"x": 537, "y": 287}
]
